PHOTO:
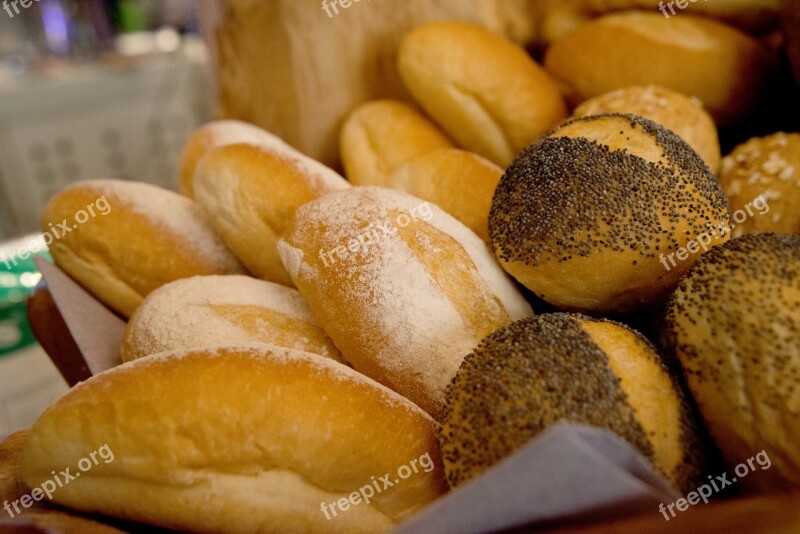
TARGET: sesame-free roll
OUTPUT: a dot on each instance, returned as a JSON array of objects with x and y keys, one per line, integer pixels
[
  {"x": 402, "y": 288},
  {"x": 381, "y": 135},
  {"x": 208, "y": 311},
  {"x": 251, "y": 191},
  {"x": 138, "y": 238},
  {"x": 606, "y": 213},
  {"x": 486, "y": 92},
  {"x": 536, "y": 372},
  {"x": 734, "y": 324},
  {"x": 238, "y": 439}
]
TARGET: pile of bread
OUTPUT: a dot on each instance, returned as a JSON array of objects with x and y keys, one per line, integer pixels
[{"x": 294, "y": 335}]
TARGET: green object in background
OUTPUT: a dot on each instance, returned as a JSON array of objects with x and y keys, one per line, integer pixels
[
  {"x": 131, "y": 16},
  {"x": 17, "y": 280}
]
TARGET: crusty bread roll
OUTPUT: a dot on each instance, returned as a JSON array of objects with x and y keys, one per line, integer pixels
[
  {"x": 209, "y": 311},
  {"x": 461, "y": 183},
  {"x": 402, "y": 288},
  {"x": 762, "y": 181},
  {"x": 251, "y": 191},
  {"x": 381, "y": 135},
  {"x": 726, "y": 69},
  {"x": 238, "y": 440},
  {"x": 681, "y": 114},
  {"x": 213, "y": 135},
  {"x": 483, "y": 90},
  {"x": 606, "y": 213},
  {"x": 734, "y": 323},
  {"x": 533, "y": 373},
  {"x": 121, "y": 240}
]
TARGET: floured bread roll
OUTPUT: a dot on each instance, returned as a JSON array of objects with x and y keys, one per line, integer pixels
[
  {"x": 209, "y": 311},
  {"x": 248, "y": 439},
  {"x": 121, "y": 240},
  {"x": 251, "y": 191},
  {"x": 403, "y": 289}
]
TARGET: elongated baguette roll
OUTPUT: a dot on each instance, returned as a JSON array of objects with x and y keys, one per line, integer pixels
[
  {"x": 726, "y": 69},
  {"x": 251, "y": 191},
  {"x": 402, "y": 288},
  {"x": 483, "y": 90},
  {"x": 209, "y": 311},
  {"x": 213, "y": 135},
  {"x": 238, "y": 440},
  {"x": 381, "y": 135},
  {"x": 122, "y": 240},
  {"x": 461, "y": 183}
]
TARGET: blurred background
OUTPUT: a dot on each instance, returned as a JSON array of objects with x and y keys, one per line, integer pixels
[{"x": 88, "y": 89}]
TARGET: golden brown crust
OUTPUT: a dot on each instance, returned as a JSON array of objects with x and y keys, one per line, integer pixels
[
  {"x": 483, "y": 90},
  {"x": 402, "y": 288},
  {"x": 676, "y": 112},
  {"x": 139, "y": 238},
  {"x": 769, "y": 168},
  {"x": 381, "y": 135},
  {"x": 606, "y": 213},
  {"x": 237, "y": 440},
  {"x": 253, "y": 190},
  {"x": 726, "y": 69},
  {"x": 535, "y": 372},
  {"x": 209, "y": 311},
  {"x": 461, "y": 183},
  {"x": 734, "y": 323}
]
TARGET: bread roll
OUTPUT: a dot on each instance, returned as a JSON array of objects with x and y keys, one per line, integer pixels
[
  {"x": 734, "y": 323},
  {"x": 251, "y": 191},
  {"x": 214, "y": 135},
  {"x": 381, "y": 135},
  {"x": 606, "y": 213},
  {"x": 122, "y": 240},
  {"x": 726, "y": 69},
  {"x": 681, "y": 114},
  {"x": 403, "y": 289},
  {"x": 238, "y": 440},
  {"x": 461, "y": 183},
  {"x": 209, "y": 311},
  {"x": 483, "y": 90},
  {"x": 533, "y": 373},
  {"x": 764, "y": 173}
]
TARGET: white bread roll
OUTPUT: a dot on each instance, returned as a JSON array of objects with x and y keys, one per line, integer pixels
[
  {"x": 251, "y": 191},
  {"x": 403, "y": 289},
  {"x": 237, "y": 440},
  {"x": 726, "y": 69},
  {"x": 381, "y": 135},
  {"x": 485, "y": 92},
  {"x": 138, "y": 238},
  {"x": 209, "y": 311}
]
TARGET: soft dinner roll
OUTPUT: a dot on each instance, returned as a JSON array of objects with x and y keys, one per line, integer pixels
[
  {"x": 238, "y": 440},
  {"x": 461, "y": 183},
  {"x": 213, "y": 135},
  {"x": 121, "y": 240},
  {"x": 381, "y": 135},
  {"x": 681, "y": 114},
  {"x": 734, "y": 322},
  {"x": 765, "y": 171},
  {"x": 485, "y": 91},
  {"x": 606, "y": 213},
  {"x": 251, "y": 191},
  {"x": 208, "y": 311},
  {"x": 724, "y": 68},
  {"x": 402, "y": 288},
  {"x": 535, "y": 372}
]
